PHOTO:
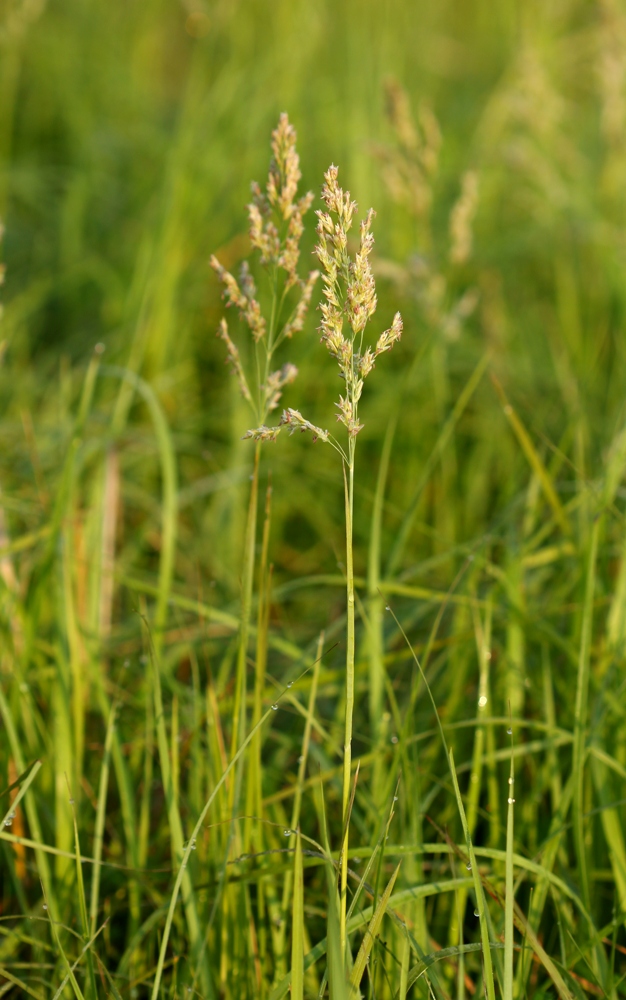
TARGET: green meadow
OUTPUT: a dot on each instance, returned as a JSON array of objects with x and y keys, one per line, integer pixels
[{"x": 277, "y": 721}]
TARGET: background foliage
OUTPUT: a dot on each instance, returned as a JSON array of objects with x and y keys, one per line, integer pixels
[{"x": 129, "y": 135}]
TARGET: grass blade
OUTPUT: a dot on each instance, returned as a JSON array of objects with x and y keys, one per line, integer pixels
[
  {"x": 98, "y": 833},
  {"x": 580, "y": 714},
  {"x": 372, "y": 933},
  {"x": 478, "y": 888}
]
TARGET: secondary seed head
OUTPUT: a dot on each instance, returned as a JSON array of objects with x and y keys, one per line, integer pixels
[{"x": 276, "y": 227}]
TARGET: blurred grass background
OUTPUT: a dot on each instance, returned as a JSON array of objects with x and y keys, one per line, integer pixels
[{"x": 129, "y": 134}]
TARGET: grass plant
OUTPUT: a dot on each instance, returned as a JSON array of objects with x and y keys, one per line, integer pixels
[{"x": 260, "y": 719}]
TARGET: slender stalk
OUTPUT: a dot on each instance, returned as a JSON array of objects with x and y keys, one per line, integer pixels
[
  {"x": 254, "y": 791},
  {"x": 509, "y": 899},
  {"x": 239, "y": 710},
  {"x": 347, "y": 746}
]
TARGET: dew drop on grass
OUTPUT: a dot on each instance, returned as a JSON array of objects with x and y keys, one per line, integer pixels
[
  {"x": 511, "y": 781},
  {"x": 300, "y": 758},
  {"x": 394, "y": 739},
  {"x": 469, "y": 866},
  {"x": 290, "y": 685},
  {"x": 193, "y": 845},
  {"x": 476, "y": 913},
  {"x": 510, "y": 800},
  {"x": 45, "y": 906},
  {"x": 482, "y": 701},
  {"x": 274, "y": 708},
  {"x": 287, "y": 833},
  {"x": 387, "y": 608},
  {"x": 509, "y": 731},
  {"x": 395, "y": 798}
]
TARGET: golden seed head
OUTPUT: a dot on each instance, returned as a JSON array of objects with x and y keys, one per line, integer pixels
[
  {"x": 279, "y": 204},
  {"x": 349, "y": 293},
  {"x": 275, "y": 227},
  {"x": 461, "y": 218},
  {"x": 410, "y": 166},
  {"x": 361, "y": 290},
  {"x": 284, "y": 175},
  {"x": 248, "y": 306},
  {"x": 337, "y": 200},
  {"x": 399, "y": 114}
]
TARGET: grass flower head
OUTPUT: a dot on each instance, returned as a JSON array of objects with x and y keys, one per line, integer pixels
[
  {"x": 275, "y": 228},
  {"x": 349, "y": 303}
]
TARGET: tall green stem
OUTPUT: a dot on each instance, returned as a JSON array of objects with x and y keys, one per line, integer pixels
[
  {"x": 347, "y": 748},
  {"x": 239, "y": 708}
]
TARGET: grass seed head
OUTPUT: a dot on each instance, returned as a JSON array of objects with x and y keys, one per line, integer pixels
[
  {"x": 270, "y": 210},
  {"x": 248, "y": 306},
  {"x": 410, "y": 168},
  {"x": 284, "y": 175},
  {"x": 276, "y": 228},
  {"x": 350, "y": 295},
  {"x": 461, "y": 218}
]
